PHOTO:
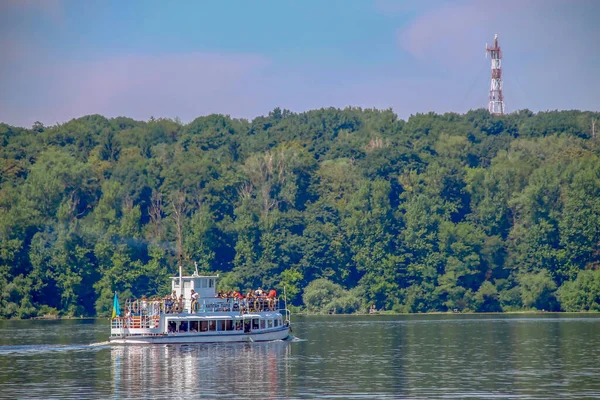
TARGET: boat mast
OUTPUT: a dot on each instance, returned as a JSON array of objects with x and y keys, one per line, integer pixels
[
  {"x": 180, "y": 275},
  {"x": 287, "y": 315}
]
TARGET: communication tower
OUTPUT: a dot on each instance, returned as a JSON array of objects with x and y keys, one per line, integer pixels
[{"x": 496, "y": 105}]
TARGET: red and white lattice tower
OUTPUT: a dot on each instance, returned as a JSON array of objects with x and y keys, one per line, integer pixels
[{"x": 496, "y": 105}]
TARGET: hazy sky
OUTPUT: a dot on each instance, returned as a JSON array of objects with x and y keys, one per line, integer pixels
[{"x": 63, "y": 59}]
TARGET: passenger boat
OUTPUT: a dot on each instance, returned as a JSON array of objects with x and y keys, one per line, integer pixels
[{"x": 207, "y": 318}]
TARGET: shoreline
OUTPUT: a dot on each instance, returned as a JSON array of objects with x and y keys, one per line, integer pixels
[
  {"x": 386, "y": 313},
  {"x": 309, "y": 314}
]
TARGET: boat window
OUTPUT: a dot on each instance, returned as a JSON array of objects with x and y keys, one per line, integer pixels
[
  {"x": 212, "y": 325},
  {"x": 203, "y": 326},
  {"x": 176, "y": 283},
  {"x": 203, "y": 283},
  {"x": 269, "y": 323},
  {"x": 276, "y": 323},
  {"x": 194, "y": 326},
  {"x": 262, "y": 324},
  {"x": 229, "y": 325},
  {"x": 183, "y": 326},
  {"x": 239, "y": 325},
  {"x": 221, "y": 325},
  {"x": 211, "y": 283},
  {"x": 255, "y": 323}
]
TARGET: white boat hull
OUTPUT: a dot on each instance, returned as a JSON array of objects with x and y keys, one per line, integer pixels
[
  {"x": 204, "y": 317},
  {"x": 192, "y": 338}
]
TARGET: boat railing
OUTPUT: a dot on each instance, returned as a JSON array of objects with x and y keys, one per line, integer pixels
[
  {"x": 232, "y": 304},
  {"x": 135, "y": 322},
  {"x": 287, "y": 315},
  {"x": 157, "y": 307}
]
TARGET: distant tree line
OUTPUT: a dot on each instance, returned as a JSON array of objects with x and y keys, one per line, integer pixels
[{"x": 345, "y": 208}]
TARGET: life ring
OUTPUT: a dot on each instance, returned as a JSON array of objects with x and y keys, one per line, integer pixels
[
  {"x": 176, "y": 307},
  {"x": 195, "y": 306},
  {"x": 135, "y": 307}
]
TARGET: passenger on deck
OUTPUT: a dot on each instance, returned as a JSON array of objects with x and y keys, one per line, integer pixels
[
  {"x": 143, "y": 305},
  {"x": 271, "y": 299},
  {"x": 168, "y": 304},
  {"x": 194, "y": 300}
]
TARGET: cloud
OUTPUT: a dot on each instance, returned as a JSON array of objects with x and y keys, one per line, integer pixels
[
  {"x": 546, "y": 46},
  {"x": 53, "y": 9},
  {"x": 549, "y": 63},
  {"x": 454, "y": 34},
  {"x": 11, "y": 52},
  {"x": 190, "y": 85},
  {"x": 24, "y": 24},
  {"x": 138, "y": 86}
]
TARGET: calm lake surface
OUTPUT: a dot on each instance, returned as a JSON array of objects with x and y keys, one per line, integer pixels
[{"x": 538, "y": 356}]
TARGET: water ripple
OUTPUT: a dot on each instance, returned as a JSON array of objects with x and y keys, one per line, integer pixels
[{"x": 337, "y": 357}]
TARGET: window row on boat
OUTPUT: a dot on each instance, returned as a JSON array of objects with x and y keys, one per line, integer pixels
[{"x": 223, "y": 324}]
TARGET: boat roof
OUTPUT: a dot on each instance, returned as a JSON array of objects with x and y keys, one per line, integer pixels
[{"x": 195, "y": 276}]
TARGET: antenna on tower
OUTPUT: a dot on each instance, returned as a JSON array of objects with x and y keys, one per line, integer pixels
[{"x": 496, "y": 104}]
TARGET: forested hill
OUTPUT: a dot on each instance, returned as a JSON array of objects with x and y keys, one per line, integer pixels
[{"x": 346, "y": 208}]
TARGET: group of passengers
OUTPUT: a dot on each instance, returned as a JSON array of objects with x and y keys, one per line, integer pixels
[
  {"x": 252, "y": 294},
  {"x": 174, "y": 304},
  {"x": 255, "y": 300}
]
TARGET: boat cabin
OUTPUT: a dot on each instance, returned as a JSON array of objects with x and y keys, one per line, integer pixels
[{"x": 203, "y": 285}]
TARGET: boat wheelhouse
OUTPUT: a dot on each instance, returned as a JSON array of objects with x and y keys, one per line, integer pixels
[{"x": 204, "y": 317}]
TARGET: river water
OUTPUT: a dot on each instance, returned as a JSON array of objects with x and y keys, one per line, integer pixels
[{"x": 537, "y": 356}]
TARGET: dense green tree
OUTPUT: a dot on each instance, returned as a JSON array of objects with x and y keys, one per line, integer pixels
[
  {"x": 345, "y": 208},
  {"x": 581, "y": 294}
]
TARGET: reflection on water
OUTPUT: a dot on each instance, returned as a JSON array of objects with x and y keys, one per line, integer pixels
[
  {"x": 258, "y": 370},
  {"x": 372, "y": 357}
]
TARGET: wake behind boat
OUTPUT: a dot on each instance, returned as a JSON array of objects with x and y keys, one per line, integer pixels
[{"x": 204, "y": 317}]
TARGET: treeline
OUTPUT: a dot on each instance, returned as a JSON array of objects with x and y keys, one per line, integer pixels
[{"x": 345, "y": 208}]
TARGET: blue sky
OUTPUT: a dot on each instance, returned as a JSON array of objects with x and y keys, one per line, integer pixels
[{"x": 62, "y": 59}]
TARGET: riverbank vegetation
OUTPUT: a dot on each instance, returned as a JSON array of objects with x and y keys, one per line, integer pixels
[{"x": 345, "y": 208}]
